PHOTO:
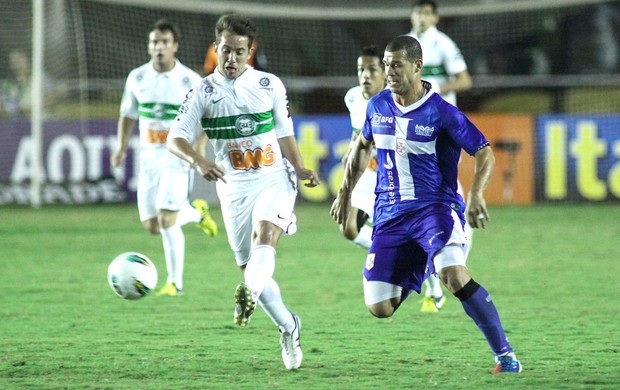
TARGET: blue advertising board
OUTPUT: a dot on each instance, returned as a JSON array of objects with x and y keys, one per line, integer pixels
[{"x": 578, "y": 158}]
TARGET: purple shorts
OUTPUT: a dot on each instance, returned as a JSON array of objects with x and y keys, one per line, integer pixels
[{"x": 403, "y": 248}]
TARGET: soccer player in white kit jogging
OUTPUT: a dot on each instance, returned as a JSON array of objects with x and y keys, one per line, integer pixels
[
  {"x": 244, "y": 113},
  {"x": 371, "y": 78},
  {"x": 152, "y": 96},
  {"x": 446, "y": 70}
]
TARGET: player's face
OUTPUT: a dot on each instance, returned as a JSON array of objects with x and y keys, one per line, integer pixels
[
  {"x": 422, "y": 18},
  {"x": 370, "y": 75},
  {"x": 402, "y": 74},
  {"x": 233, "y": 52},
  {"x": 162, "y": 49}
]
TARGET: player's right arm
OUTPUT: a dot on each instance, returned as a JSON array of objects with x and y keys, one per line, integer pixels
[
  {"x": 356, "y": 164},
  {"x": 123, "y": 133},
  {"x": 182, "y": 135},
  {"x": 126, "y": 122}
]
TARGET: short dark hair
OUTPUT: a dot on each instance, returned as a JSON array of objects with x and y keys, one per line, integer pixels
[
  {"x": 420, "y": 3},
  {"x": 371, "y": 51},
  {"x": 165, "y": 25},
  {"x": 407, "y": 43},
  {"x": 238, "y": 25}
]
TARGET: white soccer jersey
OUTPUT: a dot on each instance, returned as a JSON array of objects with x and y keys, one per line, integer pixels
[
  {"x": 363, "y": 195},
  {"x": 356, "y": 104},
  {"x": 153, "y": 99},
  {"x": 442, "y": 59},
  {"x": 243, "y": 118}
]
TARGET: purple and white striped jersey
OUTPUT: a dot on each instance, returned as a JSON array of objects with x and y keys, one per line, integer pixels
[{"x": 418, "y": 150}]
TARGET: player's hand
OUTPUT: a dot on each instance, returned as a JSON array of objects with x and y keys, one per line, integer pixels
[
  {"x": 117, "y": 158},
  {"x": 210, "y": 171},
  {"x": 477, "y": 214},
  {"x": 341, "y": 207},
  {"x": 306, "y": 174}
]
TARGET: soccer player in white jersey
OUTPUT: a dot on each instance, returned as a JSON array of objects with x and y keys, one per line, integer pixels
[
  {"x": 419, "y": 215},
  {"x": 153, "y": 93},
  {"x": 371, "y": 78},
  {"x": 446, "y": 70},
  {"x": 244, "y": 113}
]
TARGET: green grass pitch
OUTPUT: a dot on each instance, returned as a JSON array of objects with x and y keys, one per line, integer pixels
[{"x": 553, "y": 272}]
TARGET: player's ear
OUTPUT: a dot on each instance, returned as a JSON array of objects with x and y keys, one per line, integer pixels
[{"x": 418, "y": 65}]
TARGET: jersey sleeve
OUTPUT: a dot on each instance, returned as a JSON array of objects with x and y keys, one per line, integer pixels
[
  {"x": 189, "y": 115},
  {"x": 281, "y": 113},
  {"x": 129, "y": 102},
  {"x": 453, "y": 58},
  {"x": 462, "y": 130}
]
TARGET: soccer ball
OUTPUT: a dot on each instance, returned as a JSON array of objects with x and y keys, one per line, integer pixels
[{"x": 132, "y": 275}]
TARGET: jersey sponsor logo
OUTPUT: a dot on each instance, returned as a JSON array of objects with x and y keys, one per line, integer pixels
[
  {"x": 245, "y": 125},
  {"x": 425, "y": 131},
  {"x": 381, "y": 121},
  {"x": 400, "y": 146},
  {"x": 370, "y": 261},
  {"x": 156, "y": 136},
  {"x": 390, "y": 187},
  {"x": 215, "y": 101},
  {"x": 252, "y": 158},
  {"x": 389, "y": 164}
]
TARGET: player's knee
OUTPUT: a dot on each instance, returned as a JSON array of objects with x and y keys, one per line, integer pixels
[
  {"x": 350, "y": 232},
  {"x": 166, "y": 219},
  {"x": 454, "y": 277},
  {"x": 151, "y": 226},
  {"x": 382, "y": 309}
]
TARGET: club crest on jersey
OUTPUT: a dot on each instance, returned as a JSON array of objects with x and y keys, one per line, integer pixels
[
  {"x": 264, "y": 82},
  {"x": 245, "y": 125},
  {"x": 400, "y": 146},
  {"x": 158, "y": 111},
  {"x": 379, "y": 120},
  {"x": 425, "y": 131},
  {"x": 208, "y": 86},
  {"x": 370, "y": 261}
]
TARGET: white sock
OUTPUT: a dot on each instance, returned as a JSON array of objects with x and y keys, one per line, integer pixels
[
  {"x": 174, "y": 252},
  {"x": 271, "y": 301},
  {"x": 188, "y": 214},
  {"x": 363, "y": 238},
  {"x": 433, "y": 286},
  {"x": 260, "y": 268}
]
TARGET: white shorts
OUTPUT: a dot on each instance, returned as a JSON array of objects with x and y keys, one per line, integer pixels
[
  {"x": 162, "y": 189},
  {"x": 268, "y": 199},
  {"x": 363, "y": 195}
]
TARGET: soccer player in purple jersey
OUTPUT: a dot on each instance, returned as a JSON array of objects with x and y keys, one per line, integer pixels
[{"x": 419, "y": 216}]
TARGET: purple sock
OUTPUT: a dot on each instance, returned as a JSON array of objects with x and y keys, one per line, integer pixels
[{"x": 481, "y": 309}]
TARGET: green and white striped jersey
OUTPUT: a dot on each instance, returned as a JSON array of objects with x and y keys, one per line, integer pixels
[
  {"x": 243, "y": 118},
  {"x": 441, "y": 57},
  {"x": 153, "y": 99}
]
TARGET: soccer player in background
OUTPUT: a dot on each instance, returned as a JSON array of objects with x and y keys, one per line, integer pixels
[
  {"x": 244, "y": 113},
  {"x": 446, "y": 70},
  {"x": 419, "y": 216},
  {"x": 153, "y": 93},
  {"x": 371, "y": 78}
]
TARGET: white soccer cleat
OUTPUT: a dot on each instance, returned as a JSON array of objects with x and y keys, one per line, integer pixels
[{"x": 291, "y": 346}]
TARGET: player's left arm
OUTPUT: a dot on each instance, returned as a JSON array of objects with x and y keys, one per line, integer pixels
[
  {"x": 459, "y": 82},
  {"x": 290, "y": 151},
  {"x": 460, "y": 79},
  {"x": 477, "y": 213}
]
